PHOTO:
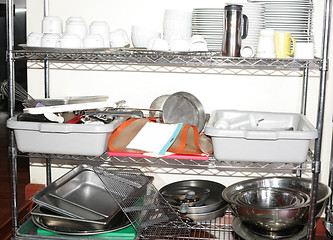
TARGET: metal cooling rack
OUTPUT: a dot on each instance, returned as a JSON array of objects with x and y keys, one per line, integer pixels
[{"x": 141, "y": 202}]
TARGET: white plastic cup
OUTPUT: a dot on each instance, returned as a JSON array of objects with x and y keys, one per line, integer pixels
[
  {"x": 93, "y": 41},
  {"x": 304, "y": 50},
  {"x": 119, "y": 38},
  {"x": 50, "y": 40},
  {"x": 70, "y": 41},
  {"x": 34, "y": 39},
  {"x": 52, "y": 24}
]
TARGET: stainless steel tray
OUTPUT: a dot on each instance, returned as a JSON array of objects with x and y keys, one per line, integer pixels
[
  {"x": 63, "y": 225},
  {"x": 79, "y": 50},
  {"x": 82, "y": 193},
  {"x": 55, "y": 221},
  {"x": 68, "y": 100}
]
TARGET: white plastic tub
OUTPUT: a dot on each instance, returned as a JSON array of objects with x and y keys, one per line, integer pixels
[
  {"x": 260, "y": 136},
  {"x": 62, "y": 138}
]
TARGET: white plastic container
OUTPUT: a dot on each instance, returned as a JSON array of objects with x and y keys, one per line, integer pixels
[
  {"x": 62, "y": 138},
  {"x": 260, "y": 136}
]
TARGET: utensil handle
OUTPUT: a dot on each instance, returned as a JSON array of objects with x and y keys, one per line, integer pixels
[{"x": 245, "y": 26}]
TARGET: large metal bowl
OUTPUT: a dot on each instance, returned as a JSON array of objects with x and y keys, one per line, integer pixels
[
  {"x": 280, "y": 220},
  {"x": 268, "y": 198}
]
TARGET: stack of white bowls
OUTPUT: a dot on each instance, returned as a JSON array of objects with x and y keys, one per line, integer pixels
[{"x": 256, "y": 15}]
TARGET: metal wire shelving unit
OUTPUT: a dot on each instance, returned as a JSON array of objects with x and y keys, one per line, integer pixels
[{"x": 147, "y": 60}]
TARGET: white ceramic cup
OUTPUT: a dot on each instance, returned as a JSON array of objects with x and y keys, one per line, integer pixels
[
  {"x": 158, "y": 44},
  {"x": 75, "y": 19},
  {"x": 102, "y": 28},
  {"x": 141, "y": 35},
  {"x": 177, "y": 23},
  {"x": 304, "y": 50},
  {"x": 50, "y": 40},
  {"x": 76, "y": 27},
  {"x": 180, "y": 45},
  {"x": 34, "y": 39},
  {"x": 93, "y": 41},
  {"x": 52, "y": 24},
  {"x": 197, "y": 38},
  {"x": 119, "y": 38},
  {"x": 248, "y": 51},
  {"x": 266, "y": 44},
  {"x": 198, "y": 44},
  {"x": 199, "y": 47},
  {"x": 70, "y": 41}
]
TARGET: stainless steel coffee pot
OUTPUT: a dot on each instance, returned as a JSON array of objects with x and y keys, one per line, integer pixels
[{"x": 232, "y": 37}]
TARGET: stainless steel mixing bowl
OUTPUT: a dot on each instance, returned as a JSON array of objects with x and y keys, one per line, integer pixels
[
  {"x": 275, "y": 219},
  {"x": 272, "y": 197}
]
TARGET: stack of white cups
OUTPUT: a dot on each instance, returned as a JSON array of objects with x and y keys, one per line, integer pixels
[
  {"x": 52, "y": 30},
  {"x": 102, "y": 28}
]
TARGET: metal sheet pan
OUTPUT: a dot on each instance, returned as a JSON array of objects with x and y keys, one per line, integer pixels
[
  {"x": 78, "y": 194},
  {"x": 63, "y": 225},
  {"x": 55, "y": 221}
]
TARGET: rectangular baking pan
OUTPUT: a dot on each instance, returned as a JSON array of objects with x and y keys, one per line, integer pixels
[
  {"x": 82, "y": 194},
  {"x": 55, "y": 220}
]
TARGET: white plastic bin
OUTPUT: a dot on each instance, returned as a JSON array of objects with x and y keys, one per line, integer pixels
[
  {"x": 62, "y": 138},
  {"x": 260, "y": 136}
]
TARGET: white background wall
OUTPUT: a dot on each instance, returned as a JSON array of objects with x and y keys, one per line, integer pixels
[{"x": 255, "y": 93}]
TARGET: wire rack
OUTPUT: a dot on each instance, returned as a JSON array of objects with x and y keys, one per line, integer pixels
[
  {"x": 143, "y": 205},
  {"x": 186, "y": 59},
  {"x": 216, "y": 229},
  {"x": 211, "y": 164}
]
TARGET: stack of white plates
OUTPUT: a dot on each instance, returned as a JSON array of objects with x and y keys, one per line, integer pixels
[
  {"x": 290, "y": 16},
  {"x": 208, "y": 22},
  {"x": 255, "y": 13}
]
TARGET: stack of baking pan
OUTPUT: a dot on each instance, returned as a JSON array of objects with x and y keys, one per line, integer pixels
[
  {"x": 113, "y": 202},
  {"x": 80, "y": 203}
]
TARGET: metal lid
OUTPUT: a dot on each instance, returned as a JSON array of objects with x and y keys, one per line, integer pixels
[{"x": 233, "y": 7}]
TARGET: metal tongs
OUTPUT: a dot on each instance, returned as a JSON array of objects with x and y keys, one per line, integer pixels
[{"x": 119, "y": 112}]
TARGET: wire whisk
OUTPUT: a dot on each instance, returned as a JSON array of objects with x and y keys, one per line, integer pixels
[{"x": 21, "y": 94}]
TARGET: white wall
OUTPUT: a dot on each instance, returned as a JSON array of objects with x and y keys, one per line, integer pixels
[{"x": 260, "y": 93}]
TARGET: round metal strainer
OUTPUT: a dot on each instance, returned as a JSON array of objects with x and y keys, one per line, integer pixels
[{"x": 183, "y": 107}]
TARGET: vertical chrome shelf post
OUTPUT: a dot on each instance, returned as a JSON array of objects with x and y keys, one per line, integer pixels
[
  {"x": 11, "y": 111},
  {"x": 320, "y": 117}
]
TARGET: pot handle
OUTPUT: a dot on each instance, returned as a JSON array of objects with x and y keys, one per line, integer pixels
[{"x": 245, "y": 26}]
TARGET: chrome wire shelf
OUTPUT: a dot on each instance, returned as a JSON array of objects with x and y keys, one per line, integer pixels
[
  {"x": 219, "y": 228},
  {"x": 145, "y": 57},
  {"x": 211, "y": 164}
]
